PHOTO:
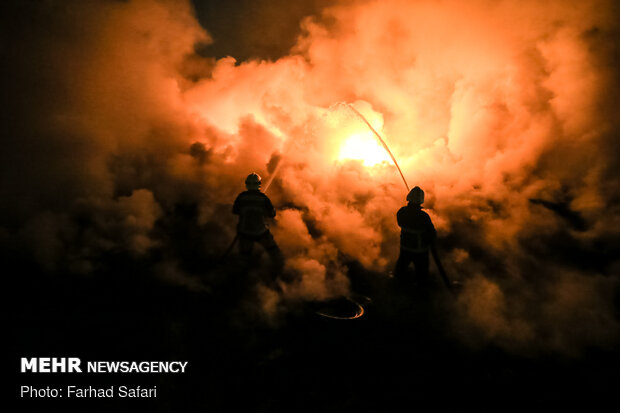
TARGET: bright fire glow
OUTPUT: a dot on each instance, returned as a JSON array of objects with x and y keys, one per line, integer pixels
[{"x": 364, "y": 147}]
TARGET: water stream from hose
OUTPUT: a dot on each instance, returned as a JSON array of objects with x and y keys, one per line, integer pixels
[
  {"x": 385, "y": 146},
  {"x": 373, "y": 130}
]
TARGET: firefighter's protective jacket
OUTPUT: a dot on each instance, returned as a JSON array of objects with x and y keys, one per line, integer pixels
[
  {"x": 417, "y": 230},
  {"x": 253, "y": 207}
]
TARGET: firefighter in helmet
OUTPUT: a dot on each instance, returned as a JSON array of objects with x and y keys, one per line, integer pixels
[
  {"x": 253, "y": 207},
  {"x": 417, "y": 237}
]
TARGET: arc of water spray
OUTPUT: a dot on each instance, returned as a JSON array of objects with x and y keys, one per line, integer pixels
[
  {"x": 373, "y": 130},
  {"x": 285, "y": 150},
  {"x": 273, "y": 175},
  {"x": 387, "y": 149}
]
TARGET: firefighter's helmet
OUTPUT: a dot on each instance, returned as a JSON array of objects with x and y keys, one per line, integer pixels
[
  {"x": 252, "y": 181},
  {"x": 416, "y": 196}
]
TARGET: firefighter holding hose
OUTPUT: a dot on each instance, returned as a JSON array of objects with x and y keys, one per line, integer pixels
[
  {"x": 253, "y": 208},
  {"x": 417, "y": 237}
]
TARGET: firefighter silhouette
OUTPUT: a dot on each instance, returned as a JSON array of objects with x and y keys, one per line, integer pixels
[
  {"x": 417, "y": 237},
  {"x": 253, "y": 208}
]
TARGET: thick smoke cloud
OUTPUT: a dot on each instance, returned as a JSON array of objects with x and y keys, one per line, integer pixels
[{"x": 120, "y": 139}]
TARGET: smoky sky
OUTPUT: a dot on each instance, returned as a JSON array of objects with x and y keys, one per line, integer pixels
[
  {"x": 253, "y": 29},
  {"x": 128, "y": 128}
]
